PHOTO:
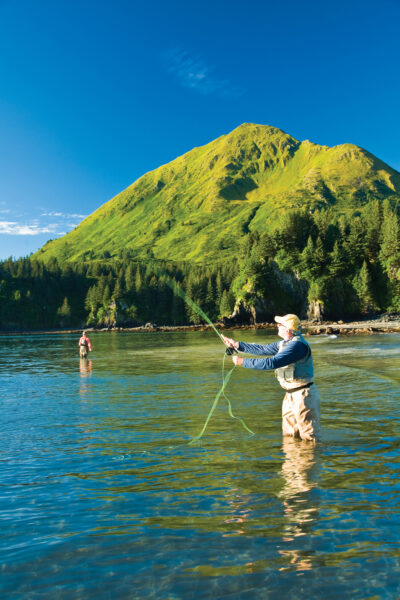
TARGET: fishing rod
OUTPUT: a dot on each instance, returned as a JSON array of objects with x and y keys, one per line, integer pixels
[{"x": 176, "y": 289}]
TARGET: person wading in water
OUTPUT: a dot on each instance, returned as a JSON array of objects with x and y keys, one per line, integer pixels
[
  {"x": 292, "y": 360},
  {"x": 84, "y": 345}
]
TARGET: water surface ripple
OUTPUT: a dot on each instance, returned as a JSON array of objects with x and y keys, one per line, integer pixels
[{"x": 102, "y": 497}]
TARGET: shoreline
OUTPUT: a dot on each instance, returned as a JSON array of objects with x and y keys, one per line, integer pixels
[{"x": 366, "y": 327}]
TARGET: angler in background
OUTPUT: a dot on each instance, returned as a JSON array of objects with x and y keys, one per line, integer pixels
[
  {"x": 292, "y": 361},
  {"x": 84, "y": 345}
]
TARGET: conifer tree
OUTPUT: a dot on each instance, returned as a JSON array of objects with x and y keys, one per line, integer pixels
[
  {"x": 90, "y": 300},
  {"x": 320, "y": 259},
  {"x": 296, "y": 228},
  {"x": 363, "y": 286},
  {"x": 338, "y": 265},
  {"x": 119, "y": 288},
  {"x": 99, "y": 290},
  {"x": 209, "y": 306},
  {"x": 355, "y": 243},
  {"x": 96, "y": 269},
  {"x": 267, "y": 247},
  {"x": 372, "y": 218},
  {"x": 226, "y": 304},
  {"x": 390, "y": 245},
  {"x": 64, "y": 312},
  {"x": 178, "y": 315},
  {"x": 129, "y": 278},
  {"x": 106, "y": 299},
  {"x": 218, "y": 288},
  {"x": 306, "y": 259},
  {"x": 192, "y": 315},
  {"x": 20, "y": 269},
  {"x": 138, "y": 279}
]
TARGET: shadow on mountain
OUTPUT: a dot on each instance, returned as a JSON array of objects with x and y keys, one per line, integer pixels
[{"x": 238, "y": 189}]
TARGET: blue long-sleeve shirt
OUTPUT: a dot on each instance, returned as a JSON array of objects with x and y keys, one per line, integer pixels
[{"x": 291, "y": 353}]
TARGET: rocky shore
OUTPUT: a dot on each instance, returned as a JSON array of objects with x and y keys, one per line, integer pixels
[
  {"x": 381, "y": 324},
  {"x": 356, "y": 327},
  {"x": 309, "y": 328}
]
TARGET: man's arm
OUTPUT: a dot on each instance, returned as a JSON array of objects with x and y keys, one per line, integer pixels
[
  {"x": 291, "y": 353},
  {"x": 259, "y": 349}
]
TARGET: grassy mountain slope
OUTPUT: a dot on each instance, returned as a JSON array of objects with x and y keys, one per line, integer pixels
[{"x": 199, "y": 206}]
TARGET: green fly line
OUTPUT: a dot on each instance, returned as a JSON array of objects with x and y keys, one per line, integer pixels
[
  {"x": 229, "y": 402},
  {"x": 175, "y": 287},
  {"x": 214, "y": 406}
]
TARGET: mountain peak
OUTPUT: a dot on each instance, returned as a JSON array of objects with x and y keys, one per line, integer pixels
[{"x": 201, "y": 204}]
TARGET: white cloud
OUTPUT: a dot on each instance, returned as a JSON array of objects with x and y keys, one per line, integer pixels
[
  {"x": 14, "y": 228},
  {"x": 51, "y": 222},
  {"x": 194, "y": 73},
  {"x": 63, "y": 215}
]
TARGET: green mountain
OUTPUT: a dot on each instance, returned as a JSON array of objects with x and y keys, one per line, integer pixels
[{"x": 201, "y": 204}]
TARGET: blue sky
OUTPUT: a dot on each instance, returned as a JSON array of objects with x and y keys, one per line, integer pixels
[{"x": 93, "y": 94}]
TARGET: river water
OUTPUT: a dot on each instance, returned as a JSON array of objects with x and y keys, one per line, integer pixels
[{"x": 102, "y": 497}]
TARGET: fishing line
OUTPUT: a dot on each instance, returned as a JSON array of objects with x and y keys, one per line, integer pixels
[
  {"x": 214, "y": 406},
  {"x": 179, "y": 291},
  {"x": 368, "y": 371},
  {"x": 176, "y": 289},
  {"x": 225, "y": 380},
  {"x": 229, "y": 402}
]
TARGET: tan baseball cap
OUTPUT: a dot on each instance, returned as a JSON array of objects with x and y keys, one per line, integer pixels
[{"x": 292, "y": 322}]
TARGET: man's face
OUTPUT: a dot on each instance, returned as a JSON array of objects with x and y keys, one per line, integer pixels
[{"x": 283, "y": 332}]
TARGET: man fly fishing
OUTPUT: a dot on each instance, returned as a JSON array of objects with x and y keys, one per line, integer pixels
[{"x": 292, "y": 361}]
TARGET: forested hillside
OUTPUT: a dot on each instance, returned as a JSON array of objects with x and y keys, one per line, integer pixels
[{"x": 319, "y": 264}]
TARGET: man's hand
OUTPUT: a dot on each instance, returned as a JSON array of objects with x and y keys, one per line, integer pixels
[
  {"x": 230, "y": 342},
  {"x": 238, "y": 360}
]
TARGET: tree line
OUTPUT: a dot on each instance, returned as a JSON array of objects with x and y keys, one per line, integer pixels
[{"x": 316, "y": 263}]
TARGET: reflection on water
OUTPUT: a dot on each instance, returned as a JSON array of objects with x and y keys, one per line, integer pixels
[
  {"x": 101, "y": 495},
  {"x": 299, "y": 461},
  {"x": 85, "y": 367},
  {"x": 300, "y": 474}
]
